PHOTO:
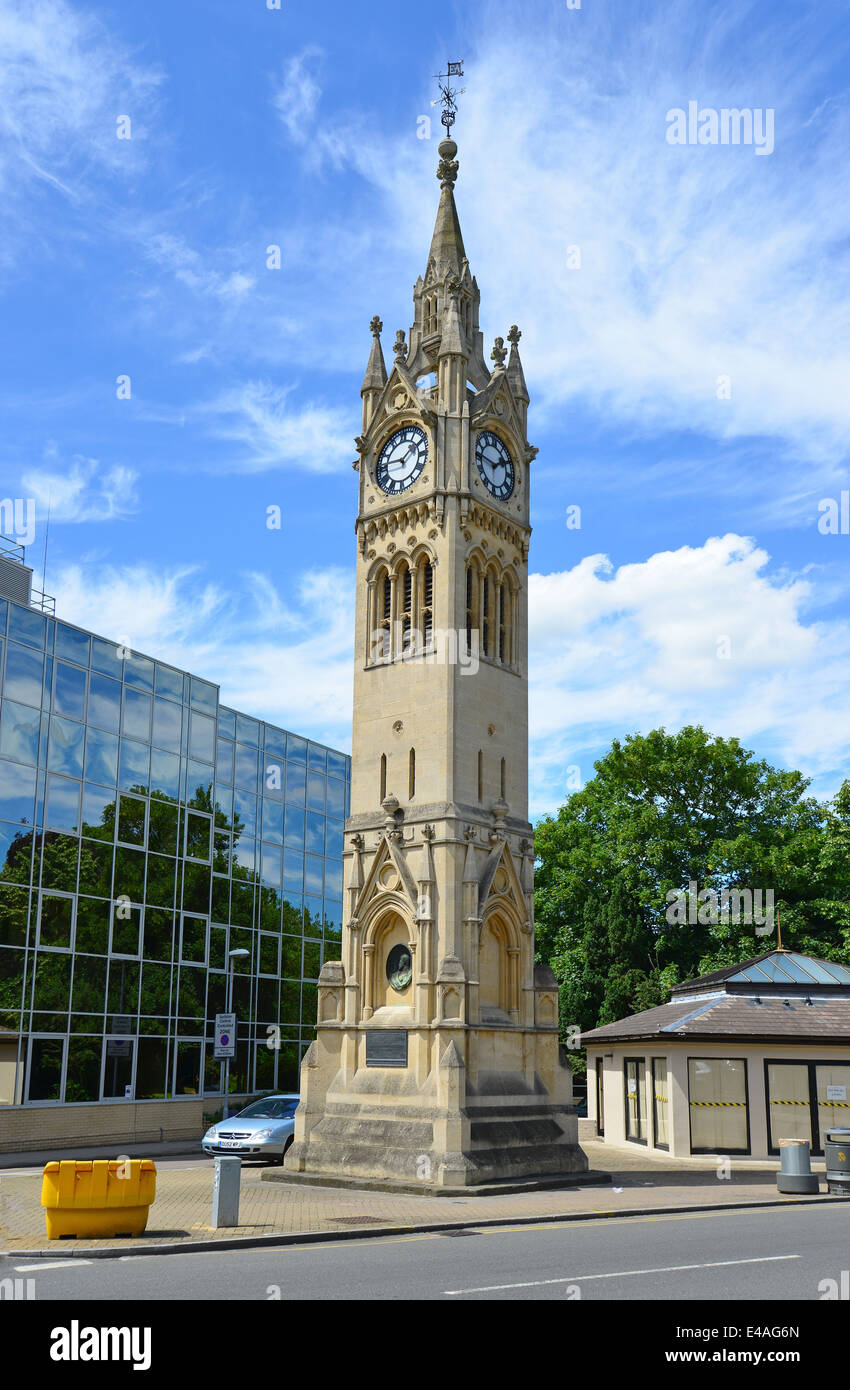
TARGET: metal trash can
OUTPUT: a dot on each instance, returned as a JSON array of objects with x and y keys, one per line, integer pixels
[
  {"x": 836, "y": 1151},
  {"x": 796, "y": 1174}
]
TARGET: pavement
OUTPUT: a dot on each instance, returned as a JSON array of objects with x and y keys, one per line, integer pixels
[{"x": 280, "y": 1212}]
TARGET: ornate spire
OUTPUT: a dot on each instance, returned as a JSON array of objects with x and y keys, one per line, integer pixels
[
  {"x": 447, "y": 248},
  {"x": 376, "y": 371},
  {"x": 516, "y": 376}
]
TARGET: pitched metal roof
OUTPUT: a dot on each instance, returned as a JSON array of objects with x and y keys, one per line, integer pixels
[
  {"x": 735, "y": 1016},
  {"x": 776, "y": 967}
]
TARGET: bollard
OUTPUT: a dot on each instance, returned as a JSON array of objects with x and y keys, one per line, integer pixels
[
  {"x": 796, "y": 1173},
  {"x": 228, "y": 1175}
]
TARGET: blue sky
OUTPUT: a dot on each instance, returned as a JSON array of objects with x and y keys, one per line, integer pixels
[{"x": 299, "y": 127}]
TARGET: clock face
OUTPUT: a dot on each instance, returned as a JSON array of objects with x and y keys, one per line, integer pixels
[
  {"x": 402, "y": 459},
  {"x": 495, "y": 465}
]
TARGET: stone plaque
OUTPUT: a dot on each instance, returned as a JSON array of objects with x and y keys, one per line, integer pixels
[{"x": 386, "y": 1047}]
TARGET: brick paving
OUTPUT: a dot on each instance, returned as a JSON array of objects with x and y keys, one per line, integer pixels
[{"x": 181, "y": 1211}]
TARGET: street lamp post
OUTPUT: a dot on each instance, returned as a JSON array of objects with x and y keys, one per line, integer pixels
[{"x": 231, "y": 957}]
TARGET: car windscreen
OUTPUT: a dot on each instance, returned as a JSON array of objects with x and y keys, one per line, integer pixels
[{"x": 271, "y": 1109}]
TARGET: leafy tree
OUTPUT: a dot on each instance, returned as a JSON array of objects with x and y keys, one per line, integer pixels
[{"x": 682, "y": 813}]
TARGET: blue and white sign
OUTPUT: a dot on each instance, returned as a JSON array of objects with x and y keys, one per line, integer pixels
[{"x": 225, "y": 1037}]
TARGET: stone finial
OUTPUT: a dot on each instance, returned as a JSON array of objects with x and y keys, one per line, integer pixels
[
  {"x": 453, "y": 287},
  {"x": 514, "y": 335},
  {"x": 448, "y": 165},
  {"x": 400, "y": 346},
  {"x": 376, "y": 326},
  {"x": 499, "y": 354}
]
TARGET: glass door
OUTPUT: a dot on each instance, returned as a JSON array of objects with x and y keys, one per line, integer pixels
[
  {"x": 600, "y": 1096},
  {"x": 832, "y": 1086},
  {"x": 635, "y": 1100}
]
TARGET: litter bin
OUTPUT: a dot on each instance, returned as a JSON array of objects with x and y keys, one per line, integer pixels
[
  {"x": 795, "y": 1173},
  {"x": 836, "y": 1151},
  {"x": 97, "y": 1197}
]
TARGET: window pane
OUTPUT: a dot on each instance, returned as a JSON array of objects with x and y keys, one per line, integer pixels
[
  {"x": 131, "y": 820},
  {"x": 45, "y": 1073},
  {"x": 167, "y": 725},
  {"x": 137, "y": 714},
  {"x": 198, "y": 831},
  {"x": 204, "y": 695},
  {"x": 72, "y": 644},
  {"x": 17, "y": 792},
  {"x": 162, "y": 829},
  {"x": 660, "y": 1101},
  {"x": 66, "y": 746},
  {"x": 63, "y": 804},
  {"x": 92, "y": 935},
  {"x": 718, "y": 1104},
  {"x": 789, "y": 1106},
  {"x": 169, "y": 682},
  {"x": 27, "y": 626},
  {"x": 312, "y": 874},
  {"x": 296, "y": 782},
  {"x": 69, "y": 690},
  {"x": 151, "y": 1068},
  {"x": 101, "y": 757},
  {"x": 224, "y": 761},
  {"x": 165, "y": 774},
  {"x": 296, "y": 749},
  {"x": 202, "y": 737},
  {"x": 19, "y": 730},
  {"x": 56, "y": 918},
  {"x": 315, "y": 791},
  {"x": 82, "y": 1081},
  {"x": 117, "y": 1066},
  {"x": 24, "y": 671},
  {"x": 294, "y": 836},
  {"x": 317, "y": 758},
  {"x": 134, "y": 766},
  {"x": 138, "y": 671},
  {"x": 226, "y": 722},
  {"x": 105, "y": 703},
  {"x": 273, "y": 822},
  {"x": 247, "y": 730},
  {"x": 336, "y": 798},
  {"x": 246, "y": 767}
]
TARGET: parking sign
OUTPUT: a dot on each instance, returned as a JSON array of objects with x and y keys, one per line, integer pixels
[{"x": 225, "y": 1037}]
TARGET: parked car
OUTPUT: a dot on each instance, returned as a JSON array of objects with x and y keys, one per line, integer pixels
[{"x": 264, "y": 1129}]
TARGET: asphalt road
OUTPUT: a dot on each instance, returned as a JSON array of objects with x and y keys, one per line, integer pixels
[{"x": 769, "y": 1253}]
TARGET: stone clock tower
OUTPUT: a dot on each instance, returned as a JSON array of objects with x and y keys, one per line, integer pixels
[{"x": 436, "y": 1059}]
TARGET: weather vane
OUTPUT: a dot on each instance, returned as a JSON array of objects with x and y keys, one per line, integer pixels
[{"x": 448, "y": 94}]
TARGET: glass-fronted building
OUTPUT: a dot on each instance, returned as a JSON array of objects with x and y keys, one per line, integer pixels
[{"x": 146, "y": 831}]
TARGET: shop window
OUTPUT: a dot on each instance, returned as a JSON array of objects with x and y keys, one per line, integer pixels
[
  {"x": 717, "y": 1096},
  {"x": 660, "y": 1103}
]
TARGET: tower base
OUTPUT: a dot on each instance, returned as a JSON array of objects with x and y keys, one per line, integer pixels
[{"x": 431, "y": 1123}]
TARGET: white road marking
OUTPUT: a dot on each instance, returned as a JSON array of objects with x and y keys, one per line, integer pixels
[
  {"x": 621, "y": 1274},
  {"x": 51, "y": 1264}
]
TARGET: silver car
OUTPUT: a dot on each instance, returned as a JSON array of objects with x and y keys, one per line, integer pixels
[{"x": 264, "y": 1129}]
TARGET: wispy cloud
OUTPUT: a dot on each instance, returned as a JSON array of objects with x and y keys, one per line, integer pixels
[
  {"x": 65, "y": 81},
  {"x": 84, "y": 491},
  {"x": 274, "y": 430}
]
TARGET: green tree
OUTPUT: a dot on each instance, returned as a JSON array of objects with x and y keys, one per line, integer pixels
[{"x": 665, "y": 812}]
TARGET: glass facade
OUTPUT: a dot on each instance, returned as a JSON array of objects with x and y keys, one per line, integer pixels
[{"x": 145, "y": 832}]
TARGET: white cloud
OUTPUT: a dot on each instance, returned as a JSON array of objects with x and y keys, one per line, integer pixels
[
  {"x": 614, "y": 652},
  {"x": 286, "y": 659},
  {"x": 297, "y": 93},
  {"x": 84, "y": 492},
  {"x": 273, "y": 433},
  {"x": 65, "y": 81}
]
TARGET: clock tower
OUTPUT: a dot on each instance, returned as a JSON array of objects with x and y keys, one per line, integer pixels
[{"x": 436, "y": 1060}]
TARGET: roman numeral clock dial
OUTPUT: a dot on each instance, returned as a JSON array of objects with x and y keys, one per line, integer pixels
[
  {"x": 402, "y": 459},
  {"x": 495, "y": 465}
]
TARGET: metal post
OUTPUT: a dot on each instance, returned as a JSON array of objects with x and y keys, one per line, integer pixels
[{"x": 226, "y": 1108}]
